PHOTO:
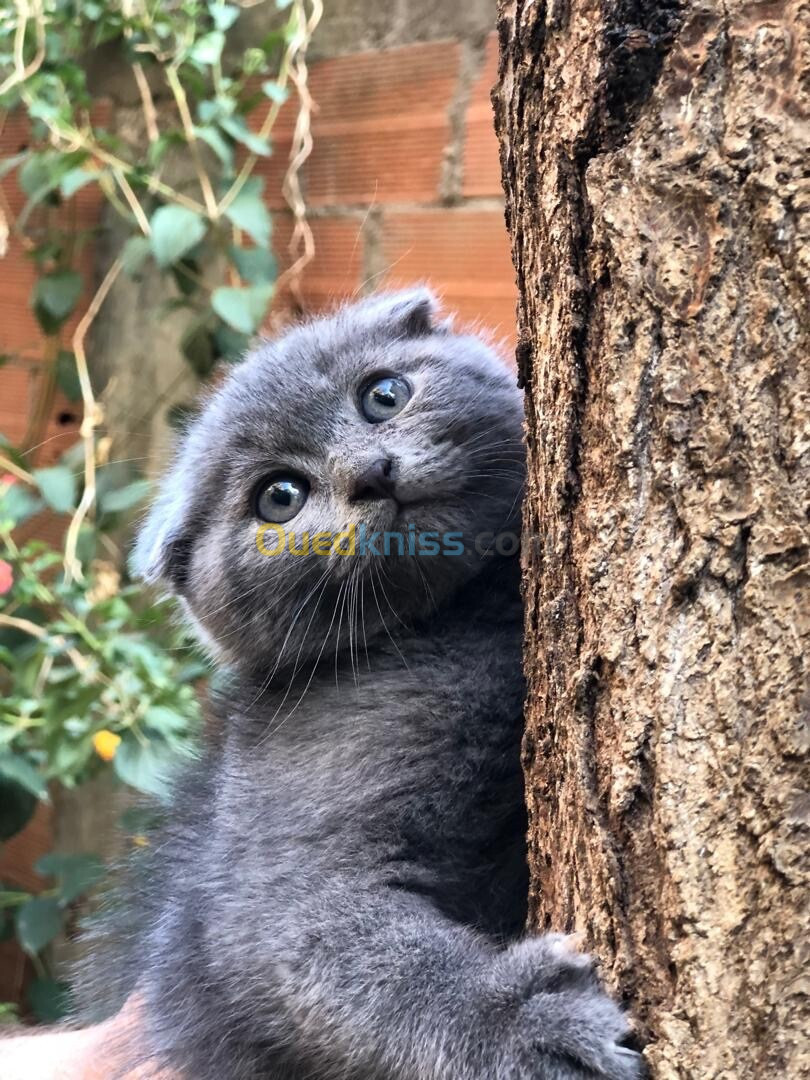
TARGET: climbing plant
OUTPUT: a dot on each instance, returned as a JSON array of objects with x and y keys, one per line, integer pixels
[{"x": 91, "y": 675}]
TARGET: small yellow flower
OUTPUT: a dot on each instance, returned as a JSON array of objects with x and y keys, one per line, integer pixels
[{"x": 106, "y": 743}]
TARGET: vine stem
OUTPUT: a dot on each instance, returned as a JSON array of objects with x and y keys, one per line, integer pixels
[
  {"x": 22, "y": 71},
  {"x": 74, "y": 138},
  {"x": 91, "y": 420},
  {"x": 188, "y": 129},
  {"x": 297, "y": 47},
  {"x": 15, "y": 470},
  {"x": 147, "y": 102},
  {"x": 132, "y": 200},
  {"x": 302, "y": 239}
]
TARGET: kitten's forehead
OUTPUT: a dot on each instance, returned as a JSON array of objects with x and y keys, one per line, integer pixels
[
  {"x": 303, "y": 389},
  {"x": 301, "y": 386}
]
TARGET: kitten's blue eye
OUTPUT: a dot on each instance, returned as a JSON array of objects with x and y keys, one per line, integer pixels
[
  {"x": 281, "y": 498},
  {"x": 384, "y": 398}
]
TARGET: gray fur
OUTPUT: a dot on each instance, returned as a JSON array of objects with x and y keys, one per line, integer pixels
[{"x": 342, "y": 890}]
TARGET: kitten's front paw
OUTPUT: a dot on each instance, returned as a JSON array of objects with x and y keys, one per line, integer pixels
[{"x": 561, "y": 1026}]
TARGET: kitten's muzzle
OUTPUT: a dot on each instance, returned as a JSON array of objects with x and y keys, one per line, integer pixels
[{"x": 374, "y": 483}]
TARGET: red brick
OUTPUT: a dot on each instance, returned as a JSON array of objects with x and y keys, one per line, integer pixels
[
  {"x": 23, "y": 849},
  {"x": 19, "y": 330},
  {"x": 380, "y": 131},
  {"x": 482, "y": 169},
  {"x": 20, "y": 335},
  {"x": 464, "y": 255},
  {"x": 336, "y": 270},
  {"x": 18, "y": 390},
  {"x": 16, "y": 387}
]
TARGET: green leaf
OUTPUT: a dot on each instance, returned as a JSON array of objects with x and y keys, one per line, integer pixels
[
  {"x": 134, "y": 253},
  {"x": 224, "y": 15},
  {"x": 254, "y": 265},
  {"x": 17, "y": 805},
  {"x": 214, "y": 139},
  {"x": 161, "y": 146},
  {"x": 145, "y": 768},
  {"x": 209, "y": 111},
  {"x": 248, "y": 212},
  {"x": 238, "y": 129},
  {"x": 49, "y": 999},
  {"x": 187, "y": 275},
  {"x": 67, "y": 377},
  {"x": 198, "y": 348},
  {"x": 58, "y": 488},
  {"x": 22, "y": 772},
  {"x": 10, "y": 163},
  {"x": 37, "y": 175},
  {"x": 124, "y": 498},
  {"x": 77, "y": 874},
  {"x": 18, "y": 505},
  {"x": 275, "y": 92},
  {"x": 161, "y": 718},
  {"x": 38, "y": 922},
  {"x": 76, "y": 179},
  {"x": 243, "y": 309},
  {"x": 231, "y": 344},
  {"x": 208, "y": 49},
  {"x": 175, "y": 230},
  {"x": 58, "y": 293}
]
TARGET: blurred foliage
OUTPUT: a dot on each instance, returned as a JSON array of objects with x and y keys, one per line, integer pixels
[{"x": 94, "y": 675}]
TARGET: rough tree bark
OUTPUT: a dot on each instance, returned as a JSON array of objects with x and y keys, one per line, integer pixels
[{"x": 653, "y": 160}]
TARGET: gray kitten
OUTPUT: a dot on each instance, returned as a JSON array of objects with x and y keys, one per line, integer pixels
[{"x": 342, "y": 889}]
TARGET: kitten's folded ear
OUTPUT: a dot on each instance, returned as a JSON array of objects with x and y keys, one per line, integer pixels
[
  {"x": 163, "y": 545},
  {"x": 411, "y": 313}
]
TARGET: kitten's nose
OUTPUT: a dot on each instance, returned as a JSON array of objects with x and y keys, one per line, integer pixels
[{"x": 374, "y": 482}]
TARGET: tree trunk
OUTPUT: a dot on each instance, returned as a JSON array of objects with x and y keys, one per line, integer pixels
[{"x": 652, "y": 159}]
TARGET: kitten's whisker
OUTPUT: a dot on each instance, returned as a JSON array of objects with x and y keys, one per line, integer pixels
[
  {"x": 380, "y": 273},
  {"x": 295, "y": 669},
  {"x": 487, "y": 430},
  {"x": 344, "y": 592},
  {"x": 483, "y": 494},
  {"x": 465, "y": 411},
  {"x": 235, "y": 599},
  {"x": 506, "y": 450},
  {"x": 384, "y": 624},
  {"x": 350, "y": 619},
  {"x": 353, "y": 624},
  {"x": 309, "y": 680},
  {"x": 499, "y": 473},
  {"x": 428, "y": 590},
  {"x": 277, "y": 598},
  {"x": 518, "y": 495},
  {"x": 266, "y": 682},
  {"x": 363, "y": 618},
  {"x": 384, "y": 572}
]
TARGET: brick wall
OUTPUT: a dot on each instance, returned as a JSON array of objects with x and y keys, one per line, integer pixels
[
  {"x": 21, "y": 343},
  {"x": 403, "y": 184}
]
